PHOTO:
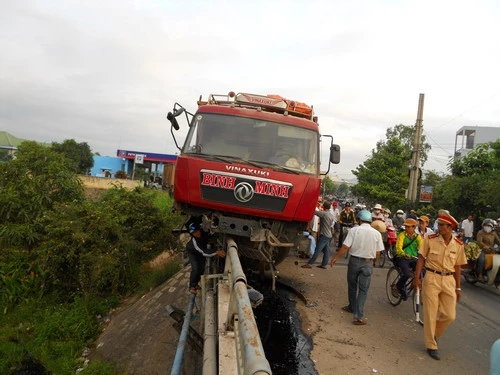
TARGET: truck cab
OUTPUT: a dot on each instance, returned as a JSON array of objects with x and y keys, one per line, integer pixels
[{"x": 249, "y": 168}]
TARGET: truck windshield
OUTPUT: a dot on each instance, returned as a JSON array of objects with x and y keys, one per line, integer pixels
[{"x": 254, "y": 140}]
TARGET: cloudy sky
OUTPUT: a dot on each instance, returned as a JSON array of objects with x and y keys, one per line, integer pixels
[{"x": 106, "y": 72}]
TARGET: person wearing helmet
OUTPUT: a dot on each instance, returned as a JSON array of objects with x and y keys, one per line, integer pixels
[
  {"x": 407, "y": 247},
  {"x": 423, "y": 226},
  {"x": 387, "y": 218},
  {"x": 398, "y": 219},
  {"x": 198, "y": 250},
  {"x": 364, "y": 242},
  {"x": 412, "y": 215},
  {"x": 377, "y": 212},
  {"x": 487, "y": 239}
]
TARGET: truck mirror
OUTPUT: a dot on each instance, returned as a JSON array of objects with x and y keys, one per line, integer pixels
[
  {"x": 173, "y": 120},
  {"x": 335, "y": 154}
]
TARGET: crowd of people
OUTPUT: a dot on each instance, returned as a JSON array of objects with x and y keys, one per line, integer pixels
[{"x": 439, "y": 250}]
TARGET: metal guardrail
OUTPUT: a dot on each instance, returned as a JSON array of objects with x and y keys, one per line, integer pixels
[
  {"x": 240, "y": 322},
  {"x": 179, "y": 354},
  {"x": 250, "y": 352}
]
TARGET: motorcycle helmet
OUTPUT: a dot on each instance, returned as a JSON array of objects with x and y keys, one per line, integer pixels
[
  {"x": 365, "y": 215},
  {"x": 193, "y": 228},
  {"x": 488, "y": 222}
]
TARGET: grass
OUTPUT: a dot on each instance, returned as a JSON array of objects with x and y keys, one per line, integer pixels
[
  {"x": 51, "y": 333},
  {"x": 54, "y": 333}
]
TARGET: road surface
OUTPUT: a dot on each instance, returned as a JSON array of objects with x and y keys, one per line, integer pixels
[{"x": 140, "y": 338}]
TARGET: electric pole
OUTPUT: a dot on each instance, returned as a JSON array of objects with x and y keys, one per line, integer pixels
[{"x": 417, "y": 148}]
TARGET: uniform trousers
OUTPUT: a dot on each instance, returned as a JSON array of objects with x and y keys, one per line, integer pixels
[{"x": 438, "y": 295}]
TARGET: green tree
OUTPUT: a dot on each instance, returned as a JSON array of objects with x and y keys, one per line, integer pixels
[
  {"x": 328, "y": 186},
  {"x": 407, "y": 136},
  {"x": 473, "y": 185},
  {"x": 343, "y": 190},
  {"x": 383, "y": 177},
  {"x": 78, "y": 153},
  {"x": 30, "y": 185}
]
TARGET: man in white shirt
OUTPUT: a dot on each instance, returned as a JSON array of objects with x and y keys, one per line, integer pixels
[
  {"x": 334, "y": 209},
  {"x": 364, "y": 243},
  {"x": 467, "y": 227}
]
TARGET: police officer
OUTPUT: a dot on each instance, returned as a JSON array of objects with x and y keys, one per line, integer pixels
[{"x": 442, "y": 255}]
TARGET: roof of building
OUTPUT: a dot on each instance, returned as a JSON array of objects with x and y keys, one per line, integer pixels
[{"x": 9, "y": 141}]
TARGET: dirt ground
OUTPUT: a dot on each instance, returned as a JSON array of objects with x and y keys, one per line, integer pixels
[{"x": 391, "y": 342}]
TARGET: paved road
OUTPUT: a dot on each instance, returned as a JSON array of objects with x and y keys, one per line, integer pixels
[{"x": 392, "y": 343}]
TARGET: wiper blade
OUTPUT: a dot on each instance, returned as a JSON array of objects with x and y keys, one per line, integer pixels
[{"x": 273, "y": 166}]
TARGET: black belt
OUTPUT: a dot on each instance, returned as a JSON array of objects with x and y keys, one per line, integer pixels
[
  {"x": 365, "y": 259},
  {"x": 438, "y": 272}
]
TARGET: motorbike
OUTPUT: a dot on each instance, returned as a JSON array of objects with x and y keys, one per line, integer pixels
[
  {"x": 469, "y": 272},
  {"x": 390, "y": 245}
]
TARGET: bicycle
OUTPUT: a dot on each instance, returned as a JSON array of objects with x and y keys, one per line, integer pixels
[{"x": 395, "y": 297}]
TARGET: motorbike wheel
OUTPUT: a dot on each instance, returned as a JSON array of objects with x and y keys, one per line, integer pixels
[
  {"x": 470, "y": 278},
  {"x": 381, "y": 259},
  {"x": 390, "y": 252}
]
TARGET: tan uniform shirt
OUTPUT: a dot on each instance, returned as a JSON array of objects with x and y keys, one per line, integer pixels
[{"x": 439, "y": 256}]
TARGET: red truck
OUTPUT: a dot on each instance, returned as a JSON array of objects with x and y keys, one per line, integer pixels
[{"x": 250, "y": 169}]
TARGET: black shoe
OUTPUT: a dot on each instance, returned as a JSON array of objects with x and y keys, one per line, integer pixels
[
  {"x": 434, "y": 354},
  {"x": 404, "y": 295}
]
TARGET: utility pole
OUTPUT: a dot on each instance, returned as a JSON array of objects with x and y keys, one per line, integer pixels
[{"x": 417, "y": 148}]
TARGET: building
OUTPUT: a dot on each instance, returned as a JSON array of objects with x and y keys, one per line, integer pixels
[
  {"x": 468, "y": 137},
  {"x": 8, "y": 144},
  {"x": 132, "y": 163}
]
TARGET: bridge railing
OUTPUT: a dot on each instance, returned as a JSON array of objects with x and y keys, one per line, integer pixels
[{"x": 240, "y": 320}]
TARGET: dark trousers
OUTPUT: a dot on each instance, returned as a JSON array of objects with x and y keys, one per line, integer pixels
[
  {"x": 197, "y": 268},
  {"x": 406, "y": 266}
]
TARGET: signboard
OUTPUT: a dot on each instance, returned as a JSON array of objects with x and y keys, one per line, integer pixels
[
  {"x": 425, "y": 194},
  {"x": 139, "y": 158}
]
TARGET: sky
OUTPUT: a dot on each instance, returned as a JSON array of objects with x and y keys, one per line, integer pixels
[{"x": 107, "y": 72}]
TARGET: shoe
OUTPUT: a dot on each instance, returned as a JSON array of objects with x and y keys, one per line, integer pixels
[
  {"x": 324, "y": 267},
  {"x": 347, "y": 308},
  {"x": 307, "y": 265},
  {"x": 404, "y": 295},
  {"x": 434, "y": 354},
  {"x": 359, "y": 322}
]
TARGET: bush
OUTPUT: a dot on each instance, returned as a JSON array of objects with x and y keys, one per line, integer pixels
[{"x": 98, "y": 248}]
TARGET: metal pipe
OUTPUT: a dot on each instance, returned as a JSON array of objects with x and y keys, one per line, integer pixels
[
  {"x": 210, "y": 338},
  {"x": 179, "y": 354},
  {"x": 253, "y": 356}
]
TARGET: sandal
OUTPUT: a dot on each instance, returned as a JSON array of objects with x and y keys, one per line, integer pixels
[
  {"x": 306, "y": 266},
  {"x": 395, "y": 291},
  {"x": 359, "y": 322}
]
